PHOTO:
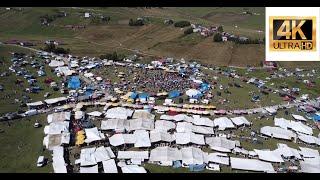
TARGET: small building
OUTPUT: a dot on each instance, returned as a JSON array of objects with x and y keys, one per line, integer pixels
[
  {"x": 224, "y": 38},
  {"x": 87, "y": 15}
]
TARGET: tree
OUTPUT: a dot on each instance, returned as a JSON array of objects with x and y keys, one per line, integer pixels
[
  {"x": 182, "y": 24},
  {"x": 220, "y": 29},
  {"x": 188, "y": 31},
  {"x": 217, "y": 37}
]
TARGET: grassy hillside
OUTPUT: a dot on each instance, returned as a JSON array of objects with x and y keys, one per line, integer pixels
[{"x": 154, "y": 39}]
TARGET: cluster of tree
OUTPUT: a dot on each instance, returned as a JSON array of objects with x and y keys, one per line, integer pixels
[
  {"x": 113, "y": 56},
  {"x": 182, "y": 24},
  {"x": 217, "y": 37},
  {"x": 138, "y": 22},
  {"x": 57, "y": 50},
  {"x": 188, "y": 31},
  {"x": 100, "y": 19}
]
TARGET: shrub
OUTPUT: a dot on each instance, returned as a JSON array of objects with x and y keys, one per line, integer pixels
[
  {"x": 188, "y": 31},
  {"x": 217, "y": 37},
  {"x": 137, "y": 22}
]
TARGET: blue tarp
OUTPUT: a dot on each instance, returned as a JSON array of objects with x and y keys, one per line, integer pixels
[
  {"x": 143, "y": 95},
  {"x": 204, "y": 87},
  {"x": 176, "y": 164},
  {"x": 74, "y": 82},
  {"x": 134, "y": 95},
  {"x": 196, "y": 167},
  {"x": 316, "y": 117},
  {"x": 89, "y": 91},
  {"x": 174, "y": 94}
]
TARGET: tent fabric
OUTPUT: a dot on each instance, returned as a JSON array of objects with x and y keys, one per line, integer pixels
[
  {"x": 164, "y": 126},
  {"x": 299, "y": 117},
  {"x": 120, "y": 139},
  {"x": 119, "y": 113},
  {"x": 223, "y": 123},
  {"x": 177, "y": 118},
  {"x": 55, "y": 100},
  {"x": 74, "y": 82},
  {"x": 92, "y": 169},
  {"x": 192, "y": 93},
  {"x": 220, "y": 144},
  {"x": 57, "y": 128},
  {"x": 142, "y": 138},
  {"x": 184, "y": 127},
  {"x": 59, "y": 164},
  {"x": 143, "y": 114},
  {"x": 133, "y": 169},
  {"x": 186, "y": 138},
  {"x": 308, "y": 152},
  {"x": 277, "y": 132},
  {"x": 140, "y": 124},
  {"x": 219, "y": 158},
  {"x": 251, "y": 165},
  {"x": 59, "y": 117},
  {"x": 239, "y": 121},
  {"x": 202, "y": 121},
  {"x": 92, "y": 134},
  {"x": 286, "y": 151},
  {"x": 296, "y": 126},
  {"x": 310, "y": 165},
  {"x": 165, "y": 153},
  {"x": 192, "y": 155},
  {"x": 133, "y": 155},
  {"x": 158, "y": 136},
  {"x": 309, "y": 139},
  {"x": 202, "y": 130},
  {"x": 173, "y": 94},
  {"x": 109, "y": 166},
  {"x": 95, "y": 113},
  {"x": 270, "y": 156},
  {"x": 113, "y": 124},
  {"x": 54, "y": 63}
]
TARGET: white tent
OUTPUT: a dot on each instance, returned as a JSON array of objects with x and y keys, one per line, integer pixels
[
  {"x": 92, "y": 134},
  {"x": 277, "y": 132},
  {"x": 119, "y": 113},
  {"x": 109, "y": 166},
  {"x": 133, "y": 169},
  {"x": 239, "y": 121},
  {"x": 55, "y": 100},
  {"x": 140, "y": 124},
  {"x": 184, "y": 127},
  {"x": 202, "y": 129},
  {"x": 92, "y": 169},
  {"x": 287, "y": 151},
  {"x": 165, "y": 154},
  {"x": 270, "y": 156},
  {"x": 202, "y": 121},
  {"x": 87, "y": 157},
  {"x": 59, "y": 164},
  {"x": 271, "y": 110},
  {"x": 192, "y": 92},
  {"x": 142, "y": 138},
  {"x": 221, "y": 144},
  {"x": 57, "y": 128},
  {"x": 58, "y": 117},
  {"x": 223, "y": 123},
  {"x": 310, "y": 165},
  {"x": 299, "y": 117},
  {"x": 251, "y": 165},
  {"x": 309, "y": 153},
  {"x": 192, "y": 155},
  {"x": 177, "y": 118},
  {"x": 164, "y": 126},
  {"x": 38, "y": 103},
  {"x": 95, "y": 113},
  {"x": 79, "y": 115},
  {"x": 120, "y": 139},
  {"x": 309, "y": 139},
  {"x": 300, "y": 127},
  {"x": 157, "y": 136},
  {"x": 142, "y": 114},
  {"x": 103, "y": 153},
  {"x": 113, "y": 124},
  {"x": 186, "y": 138},
  {"x": 133, "y": 155},
  {"x": 54, "y": 63},
  {"x": 219, "y": 158}
]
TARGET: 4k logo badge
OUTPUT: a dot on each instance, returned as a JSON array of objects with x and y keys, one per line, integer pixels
[{"x": 289, "y": 33}]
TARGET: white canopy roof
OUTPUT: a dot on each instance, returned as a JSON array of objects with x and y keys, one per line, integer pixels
[
  {"x": 219, "y": 158},
  {"x": 92, "y": 134},
  {"x": 140, "y": 124},
  {"x": 192, "y": 155},
  {"x": 133, "y": 169},
  {"x": 119, "y": 139},
  {"x": 308, "y": 153},
  {"x": 78, "y": 115},
  {"x": 113, "y": 124},
  {"x": 119, "y": 113},
  {"x": 57, "y": 127},
  {"x": 165, "y": 154},
  {"x": 142, "y": 138},
  {"x": 277, "y": 132},
  {"x": 59, "y": 164},
  {"x": 92, "y": 169},
  {"x": 221, "y": 144},
  {"x": 109, "y": 166},
  {"x": 309, "y": 139},
  {"x": 58, "y": 117},
  {"x": 296, "y": 126},
  {"x": 54, "y": 63},
  {"x": 142, "y": 114},
  {"x": 202, "y": 121},
  {"x": 177, "y": 118},
  {"x": 223, "y": 123},
  {"x": 271, "y": 110},
  {"x": 185, "y": 138},
  {"x": 287, "y": 151},
  {"x": 164, "y": 126},
  {"x": 192, "y": 92},
  {"x": 310, "y": 165},
  {"x": 251, "y": 165},
  {"x": 299, "y": 117},
  {"x": 133, "y": 155},
  {"x": 55, "y": 100},
  {"x": 156, "y": 136},
  {"x": 202, "y": 129},
  {"x": 184, "y": 127},
  {"x": 38, "y": 103},
  {"x": 95, "y": 113},
  {"x": 239, "y": 121},
  {"x": 267, "y": 155}
]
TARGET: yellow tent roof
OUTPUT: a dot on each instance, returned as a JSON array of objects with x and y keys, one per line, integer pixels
[{"x": 79, "y": 142}]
